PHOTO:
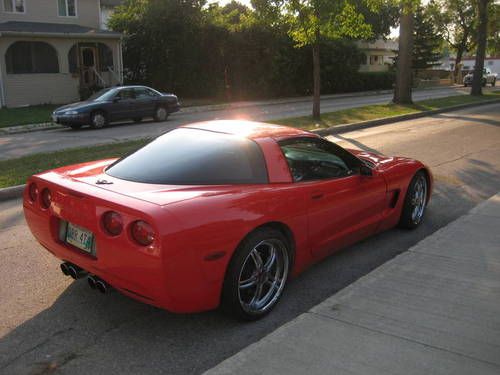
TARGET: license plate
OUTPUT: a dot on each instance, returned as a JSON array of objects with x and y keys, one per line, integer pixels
[{"x": 79, "y": 237}]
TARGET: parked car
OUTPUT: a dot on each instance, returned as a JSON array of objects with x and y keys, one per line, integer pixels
[
  {"x": 115, "y": 104},
  {"x": 488, "y": 78},
  {"x": 220, "y": 212}
]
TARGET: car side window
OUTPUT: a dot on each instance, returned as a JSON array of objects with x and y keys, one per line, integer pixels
[
  {"x": 317, "y": 159},
  {"x": 126, "y": 94},
  {"x": 144, "y": 93}
]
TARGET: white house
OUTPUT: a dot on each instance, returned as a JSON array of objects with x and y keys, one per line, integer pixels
[{"x": 379, "y": 55}]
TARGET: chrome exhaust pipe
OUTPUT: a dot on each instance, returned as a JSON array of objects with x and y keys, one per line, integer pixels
[
  {"x": 64, "y": 269},
  {"x": 92, "y": 281},
  {"x": 76, "y": 272},
  {"x": 101, "y": 286}
]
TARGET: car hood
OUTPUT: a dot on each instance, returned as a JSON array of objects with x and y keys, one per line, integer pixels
[
  {"x": 74, "y": 106},
  {"x": 93, "y": 173}
]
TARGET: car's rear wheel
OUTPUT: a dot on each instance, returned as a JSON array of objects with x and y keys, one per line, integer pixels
[
  {"x": 98, "y": 120},
  {"x": 75, "y": 126},
  {"x": 415, "y": 202},
  {"x": 257, "y": 274},
  {"x": 161, "y": 114}
]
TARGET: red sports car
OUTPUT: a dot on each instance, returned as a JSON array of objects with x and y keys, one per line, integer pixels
[{"x": 219, "y": 213}]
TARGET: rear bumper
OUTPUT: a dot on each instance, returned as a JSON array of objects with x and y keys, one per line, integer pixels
[{"x": 133, "y": 273}]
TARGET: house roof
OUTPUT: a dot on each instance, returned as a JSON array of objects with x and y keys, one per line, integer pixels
[{"x": 53, "y": 29}]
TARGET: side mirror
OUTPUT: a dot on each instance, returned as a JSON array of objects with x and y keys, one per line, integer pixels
[{"x": 365, "y": 170}]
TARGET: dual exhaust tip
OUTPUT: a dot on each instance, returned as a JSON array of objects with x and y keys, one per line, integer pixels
[{"x": 76, "y": 272}]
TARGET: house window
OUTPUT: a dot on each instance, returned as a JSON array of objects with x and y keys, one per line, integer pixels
[
  {"x": 31, "y": 57},
  {"x": 14, "y": 6},
  {"x": 67, "y": 8}
]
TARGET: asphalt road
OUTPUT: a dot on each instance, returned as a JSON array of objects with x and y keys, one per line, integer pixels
[
  {"x": 29, "y": 143},
  {"x": 49, "y": 322}
]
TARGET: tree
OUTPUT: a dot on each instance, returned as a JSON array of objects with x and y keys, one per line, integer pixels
[
  {"x": 402, "y": 90},
  {"x": 311, "y": 21},
  {"x": 482, "y": 34},
  {"x": 427, "y": 41},
  {"x": 455, "y": 19}
]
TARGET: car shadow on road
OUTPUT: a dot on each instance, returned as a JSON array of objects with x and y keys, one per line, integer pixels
[{"x": 86, "y": 332}]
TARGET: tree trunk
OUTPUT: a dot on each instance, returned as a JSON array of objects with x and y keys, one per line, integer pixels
[
  {"x": 477, "y": 80},
  {"x": 458, "y": 59},
  {"x": 317, "y": 81},
  {"x": 402, "y": 91}
]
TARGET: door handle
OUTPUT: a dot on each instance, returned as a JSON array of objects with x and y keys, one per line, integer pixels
[{"x": 317, "y": 196}]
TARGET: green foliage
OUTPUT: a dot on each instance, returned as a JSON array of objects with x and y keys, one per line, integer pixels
[
  {"x": 427, "y": 41},
  {"x": 232, "y": 52}
]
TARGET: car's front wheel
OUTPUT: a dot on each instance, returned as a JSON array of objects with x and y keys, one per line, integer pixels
[
  {"x": 98, "y": 120},
  {"x": 415, "y": 202},
  {"x": 257, "y": 274},
  {"x": 161, "y": 114}
]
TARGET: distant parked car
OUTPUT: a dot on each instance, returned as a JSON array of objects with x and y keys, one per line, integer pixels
[
  {"x": 117, "y": 103},
  {"x": 488, "y": 78}
]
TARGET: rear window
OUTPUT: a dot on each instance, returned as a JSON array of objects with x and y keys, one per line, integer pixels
[{"x": 194, "y": 157}]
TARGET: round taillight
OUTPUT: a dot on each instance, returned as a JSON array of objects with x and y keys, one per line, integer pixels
[
  {"x": 46, "y": 198},
  {"x": 143, "y": 233},
  {"x": 33, "y": 192},
  {"x": 113, "y": 223}
]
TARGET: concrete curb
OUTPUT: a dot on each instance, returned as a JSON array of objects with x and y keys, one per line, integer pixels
[
  {"x": 11, "y": 192},
  {"x": 18, "y": 129},
  {"x": 17, "y": 191},
  {"x": 389, "y": 120}
]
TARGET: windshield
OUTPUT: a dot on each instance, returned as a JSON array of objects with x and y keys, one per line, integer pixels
[
  {"x": 194, "y": 157},
  {"x": 102, "y": 95}
]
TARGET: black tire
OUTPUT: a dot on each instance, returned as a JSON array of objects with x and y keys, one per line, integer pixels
[
  {"x": 411, "y": 217},
  {"x": 75, "y": 126},
  {"x": 98, "y": 120},
  {"x": 236, "y": 293},
  {"x": 137, "y": 119},
  {"x": 161, "y": 113}
]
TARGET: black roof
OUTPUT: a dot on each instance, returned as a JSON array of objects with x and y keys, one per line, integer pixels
[{"x": 52, "y": 28}]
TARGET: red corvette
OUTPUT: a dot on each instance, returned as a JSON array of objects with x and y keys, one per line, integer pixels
[{"x": 219, "y": 213}]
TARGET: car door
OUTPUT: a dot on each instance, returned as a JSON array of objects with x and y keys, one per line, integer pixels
[
  {"x": 123, "y": 105},
  {"x": 344, "y": 205},
  {"x": 145, "y": 102}
]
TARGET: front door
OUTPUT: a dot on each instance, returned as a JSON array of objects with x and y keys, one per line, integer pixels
[
  {"x": 343, "y": 205},
  {"x": 88, "y": 59}
]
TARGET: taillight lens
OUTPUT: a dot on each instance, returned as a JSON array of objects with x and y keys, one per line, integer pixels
[
  {"x": 113, "y": 223},
  {"x": 143, "y": 233},
  {"x": 33, "y": 192},
  {"x": 46, "y": 198}
]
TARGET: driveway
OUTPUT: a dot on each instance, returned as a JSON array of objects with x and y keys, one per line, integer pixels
[{"x": 50, "y": 322}]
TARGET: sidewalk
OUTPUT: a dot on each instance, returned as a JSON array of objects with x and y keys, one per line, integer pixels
[{"x": 433, "y": 309}]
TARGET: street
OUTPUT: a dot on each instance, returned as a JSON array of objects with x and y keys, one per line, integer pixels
[
  {"x": 29, "y": 143},
  {"x": 50, "y": 322}
]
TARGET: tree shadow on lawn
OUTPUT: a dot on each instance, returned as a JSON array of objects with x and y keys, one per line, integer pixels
[{"x": 84, "y": 331}]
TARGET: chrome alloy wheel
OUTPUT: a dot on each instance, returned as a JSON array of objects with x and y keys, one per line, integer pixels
[
  {"x": 418, "y": 199},
  {"x": 98, "y": 120},
  {"x": 263, "y": 276},
  {"x": 161, "y": 114}
]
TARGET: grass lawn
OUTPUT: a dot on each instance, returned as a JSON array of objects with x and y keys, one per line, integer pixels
[
  {"x": 371, "y": 112},
  {"x": 16, "y": 171},
  {"x": 25, "y": 115}
]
